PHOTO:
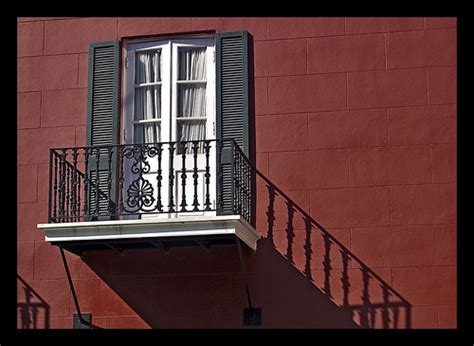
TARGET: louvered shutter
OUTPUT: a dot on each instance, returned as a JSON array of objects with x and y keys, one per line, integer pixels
[
  {"x": 102, "y": 126},
  {"x": 232, "y": 107}
]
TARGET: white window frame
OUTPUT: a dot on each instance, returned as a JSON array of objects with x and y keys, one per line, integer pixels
[
  {"x": 169, "y": 105},
  {"x": 169, "y": 100}
]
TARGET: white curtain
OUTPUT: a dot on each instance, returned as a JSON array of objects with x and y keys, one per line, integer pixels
[
  {"x": 192, "y": 97},
  {"x": 147, "y": 98},
  {"x": 192, "y": 64}
]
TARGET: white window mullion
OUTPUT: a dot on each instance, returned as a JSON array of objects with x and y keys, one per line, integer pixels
[{"x": 174, "y": 95}]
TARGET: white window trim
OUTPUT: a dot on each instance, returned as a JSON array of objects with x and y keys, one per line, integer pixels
[
  {"x": 169, "y": 102},
  {"x": 169, "y": 52}
]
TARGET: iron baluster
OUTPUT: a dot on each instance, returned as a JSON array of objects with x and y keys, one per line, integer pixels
[
  {"x": 78, "y": 204},
  {"x": 239, "y": 177},
  {"x": 247, "y": 189},
  {"x": 233, "y": 176},
  {"x": 86, "y": 182},
  {"x": 239, "y": 180},
  {"x": 109, "y": 180},
  {"x": 62, "y": 184},
  {"x": 195, "y": 177},
  {"x": 183, "y": 177},
  {"x": 68, "y": 178},
  {"x": 97, "y": 181},
  {"x": 159, "y": 206},
  {"x": 242, "y": 185},
  {"x": 207, "y": 175},
  {"x": 50, "y": 185},
  {"x": 74, "y": 185},
  {"x": 55, "y": 188},
  {"x": 219, "y": 181},
  {"x": 121, "y": 179},
  {"x": 171, "y": 179}
]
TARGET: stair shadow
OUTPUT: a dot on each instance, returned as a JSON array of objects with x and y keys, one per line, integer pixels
[
  {"x": 189, "y": 287},
  {"x": 344, "y": 278}
]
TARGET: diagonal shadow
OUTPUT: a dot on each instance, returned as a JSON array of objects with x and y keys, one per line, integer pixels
[
  {"x": 203, "y": 288},
  {"x": 339, "y": 290},
  {"x": 317, "y": 283},
  {"x": 378, "y": 304},
  {"x": 327, "y": 287},
  {"x": 33, "y": 309}
]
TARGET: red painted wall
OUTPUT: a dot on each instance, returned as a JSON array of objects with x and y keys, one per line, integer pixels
[{"x": 355, "y": 121}]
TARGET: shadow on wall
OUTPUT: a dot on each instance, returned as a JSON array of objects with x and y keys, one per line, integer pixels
[
  {"x": 334, "y": 269},
  {"x": 319, "y": 284},
  {"x": 33, "y": 311},
  {"x": 316, "y": 283}
]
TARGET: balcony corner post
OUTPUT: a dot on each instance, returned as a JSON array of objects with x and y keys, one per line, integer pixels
[{"x": 50, "y": 182}]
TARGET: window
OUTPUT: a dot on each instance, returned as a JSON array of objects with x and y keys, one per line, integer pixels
[{"x": 169, "y": 91}]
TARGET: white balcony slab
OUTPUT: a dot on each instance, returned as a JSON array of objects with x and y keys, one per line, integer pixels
[{"x": 199, "y": 226}]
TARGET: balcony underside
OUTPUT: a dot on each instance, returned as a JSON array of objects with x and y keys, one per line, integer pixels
[{"x": 158, "y": 233}]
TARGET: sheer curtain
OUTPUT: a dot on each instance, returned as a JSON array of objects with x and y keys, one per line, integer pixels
[
  {"x": 192, "y": 96},
  {"x": 147, "y": 97}
]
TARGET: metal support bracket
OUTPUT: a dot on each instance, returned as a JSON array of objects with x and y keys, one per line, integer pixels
[
  {"x": 252, "y": 316},
  {"x": 82, "y": 321}
]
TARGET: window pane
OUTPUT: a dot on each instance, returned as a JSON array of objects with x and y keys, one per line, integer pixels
[
  {"x": 192, "y": 130},
  {"x": 147, "y": 133},
  {"x": 191, "y": 100},
  {"x": 148, "y": 102},
  {"x": 147, "y": 67},
  {"x": 192, "y": 63}
]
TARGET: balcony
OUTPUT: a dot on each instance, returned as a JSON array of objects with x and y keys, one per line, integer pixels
[{"x": 153, "y": 195}]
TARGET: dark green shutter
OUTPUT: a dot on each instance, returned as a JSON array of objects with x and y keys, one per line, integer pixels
[
  {"x": 232, "y": 106},
  {"x": 102, "y": 120}
]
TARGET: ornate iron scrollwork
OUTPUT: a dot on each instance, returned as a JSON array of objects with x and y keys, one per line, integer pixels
[
  {"x": 139, "y": 154},
  {"x": 140, "y": 194},
  {"x": 110, "y": 181},
  {"x": 140, "y": 191}
]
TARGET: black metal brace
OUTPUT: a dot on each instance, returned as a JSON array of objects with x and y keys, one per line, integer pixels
[
  {"x": 252, "y": 316},
  {"x": 73, "y": 291}
]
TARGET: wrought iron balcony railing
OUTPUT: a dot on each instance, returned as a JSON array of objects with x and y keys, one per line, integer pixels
[{"x": 137, "y": 180}]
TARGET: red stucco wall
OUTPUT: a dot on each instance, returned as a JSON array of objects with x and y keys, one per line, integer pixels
[{"x": 355, "y": 121}]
